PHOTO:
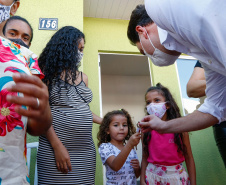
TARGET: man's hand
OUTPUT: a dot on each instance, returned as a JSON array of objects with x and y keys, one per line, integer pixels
[
  {"x": 151, "y": 122},
  {"x": 36, "y": 98}
]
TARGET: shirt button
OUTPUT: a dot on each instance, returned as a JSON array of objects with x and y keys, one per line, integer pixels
[{"x": 210, "y": 62}]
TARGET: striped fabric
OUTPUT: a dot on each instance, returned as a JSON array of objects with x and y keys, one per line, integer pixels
[{"x": 72, "y": 122}]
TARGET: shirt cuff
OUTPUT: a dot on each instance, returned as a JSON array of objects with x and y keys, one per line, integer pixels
[{"x": 212, "y": 109}]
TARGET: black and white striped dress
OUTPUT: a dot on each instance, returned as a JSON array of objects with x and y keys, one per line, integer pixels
[{"x": 72, "y": 122}]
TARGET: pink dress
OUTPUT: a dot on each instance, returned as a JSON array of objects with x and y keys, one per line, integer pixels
[
  {"x": 165, "y": 162},
  {"x": 13, "y": 58}
]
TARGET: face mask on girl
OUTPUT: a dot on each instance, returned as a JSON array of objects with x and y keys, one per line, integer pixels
[
  {"x": 159, "y": 58},
  {"x": 157, "y": 109},
  {"x": 80, "y": 56},
  {"x": 5, "y": 12}
]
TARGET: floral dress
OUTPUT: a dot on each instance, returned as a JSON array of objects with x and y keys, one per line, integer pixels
[
  {"x": 13, "y": 58},
  {"x": 124, "y": 176},
  {"x": 166, "y": 175}
]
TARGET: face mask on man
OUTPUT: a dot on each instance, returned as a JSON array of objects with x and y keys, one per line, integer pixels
[
  {"x": 159, "y": 58},
  {"x": 157, "y": 109},
  {"x": 80, "y": 56},
  {"x": 20, "y": 42},
  {"x": 5, "y": 12}
]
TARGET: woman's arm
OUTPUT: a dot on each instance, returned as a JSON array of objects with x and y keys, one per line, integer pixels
[
  {"x": 117, "y": 162},
  {"x": 97, "y": 119},
  {"x": 189, "y": 160},
  {"x": 197, "y": 83},
  {"x": 62, "y": 157},
  {"x": 85, "y": 78}
]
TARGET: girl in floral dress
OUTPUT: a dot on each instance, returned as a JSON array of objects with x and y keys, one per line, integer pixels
[
  {"x": 117, "y": 139},
  {"x": 163, "y": 154}
]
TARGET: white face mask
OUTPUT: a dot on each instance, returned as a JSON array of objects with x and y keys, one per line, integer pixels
[
  {"x": 5, "y": 12},
  {"x": 159, "y": 58},
  {"x": 157, "y": 109},
  {"x": 80, "y": 56}
]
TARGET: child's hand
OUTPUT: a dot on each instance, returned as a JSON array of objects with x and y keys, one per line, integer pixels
[
  {"x": 134, "y": 140},
  {"x": 135, "y": 164}
]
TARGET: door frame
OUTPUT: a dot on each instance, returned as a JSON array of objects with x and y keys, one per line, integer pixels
[
  {"x": 100, "y": 89},
  {"x": 186, "y": 57}
]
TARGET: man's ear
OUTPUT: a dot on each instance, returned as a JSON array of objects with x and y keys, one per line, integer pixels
[
  {"x": 141, "y": 30},
  {"x": 14, "y": 7}
]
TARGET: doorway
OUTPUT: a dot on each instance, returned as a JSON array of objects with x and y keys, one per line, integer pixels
[{"x": 124, "y": 80}]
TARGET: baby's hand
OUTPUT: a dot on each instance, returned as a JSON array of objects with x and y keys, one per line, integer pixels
[
  {"x": 134, "y": 139},
  {"x": 135, "y": 164}
]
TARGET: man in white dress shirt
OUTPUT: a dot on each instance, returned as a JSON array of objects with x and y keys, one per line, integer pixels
[{"x": 163, "y": 30}]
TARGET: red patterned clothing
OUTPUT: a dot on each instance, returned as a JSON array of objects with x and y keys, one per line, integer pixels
[{"x": 13, "y": 58}]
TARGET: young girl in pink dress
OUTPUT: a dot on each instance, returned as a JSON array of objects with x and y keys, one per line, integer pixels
[{"x": 163, "y": 154}]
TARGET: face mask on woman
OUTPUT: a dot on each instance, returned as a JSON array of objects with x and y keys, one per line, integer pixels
[
  {"x": 80, "y": 56},
  {"x": 157, "y": 109},
  {"x": 5, "y": 12},
  {"x": 159, "y": 58}
]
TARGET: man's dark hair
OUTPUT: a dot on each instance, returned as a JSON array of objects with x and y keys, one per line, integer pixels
[
  {"x": 17, "y": 18},
  {"x": 140, "y": 17}
]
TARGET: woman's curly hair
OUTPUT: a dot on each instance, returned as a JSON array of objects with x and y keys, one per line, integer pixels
[
  {"x": 172, "y": 112},
  {"x": 61, "y": 55},
  {"x": 102, "y": 135}
]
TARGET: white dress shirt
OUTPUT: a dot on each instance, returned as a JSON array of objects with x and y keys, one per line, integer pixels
[{"x": 197, "y": 28}]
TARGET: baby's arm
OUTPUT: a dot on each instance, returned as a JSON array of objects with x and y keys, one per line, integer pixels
[
  {"x": 189, "y": 160},
  {"x": 117, "y": 162}
]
